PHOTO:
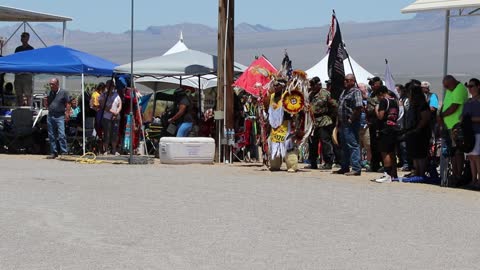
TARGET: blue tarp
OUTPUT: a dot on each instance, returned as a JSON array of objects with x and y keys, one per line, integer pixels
[{"x": 56, "y": 60}]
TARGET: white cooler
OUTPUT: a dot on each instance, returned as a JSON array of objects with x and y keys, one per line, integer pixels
[{"x": 186, "y": 150}]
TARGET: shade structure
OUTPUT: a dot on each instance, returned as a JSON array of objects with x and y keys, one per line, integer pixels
[
  {"x": 56, "y": 60},
  {"x": 431, "y": 5},
  {"x": 154, "y": 83},
  {"x": 11, "y": 14},
  {"x": 321, "y": 70},
  {"x": 206, "y": 81},
  {"x": 184, "y": 63}
]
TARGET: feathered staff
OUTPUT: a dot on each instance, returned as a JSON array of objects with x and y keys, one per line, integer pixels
[{"x": 286, "y": 70}]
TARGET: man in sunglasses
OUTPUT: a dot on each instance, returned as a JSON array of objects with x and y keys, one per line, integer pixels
[
  {"x": 348, "y": 123},
  {"x": 450, "y": 113}
]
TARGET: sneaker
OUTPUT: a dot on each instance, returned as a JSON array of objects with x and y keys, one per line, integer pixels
[
  {"x": 326, "y": 167},
  {"x": 106, "y": 153},
  {"x": 405, "y": 169},
  {"x": 353, "y": 174},
  {"x": 340, "y": 171},
  {"x": 52, "y": 156},
  {"x": 368, "y": 169},
  {"x": 310, "y": 167},
  {"x": 337, "y": 166},
  {"x": 384, "y": 179},
  {"x": 117, "y": 154},
  {"x": 365, "y": 164}
]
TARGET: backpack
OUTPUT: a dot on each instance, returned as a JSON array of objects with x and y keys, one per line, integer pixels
[{"x": 464, "y": 135}]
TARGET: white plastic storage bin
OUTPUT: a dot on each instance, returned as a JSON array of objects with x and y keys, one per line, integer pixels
[{"x": 186, "y": 150}]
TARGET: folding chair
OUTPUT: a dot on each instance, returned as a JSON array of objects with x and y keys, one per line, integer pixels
[
  {"x": 153, "y": 133},
  {"x": 19, "y": 137},
  {"x": 76, "y": 144}
]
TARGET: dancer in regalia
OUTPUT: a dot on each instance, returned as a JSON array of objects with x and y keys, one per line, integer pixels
[{"x": 289, "y": 119}]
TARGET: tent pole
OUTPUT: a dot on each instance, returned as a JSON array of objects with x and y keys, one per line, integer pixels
[
  {"x": 83, "y": 112},
  {"x": 132, "y": 86},
  {"x": 199, "y": 99},
  {"x": 64, "y": 39},
  {"x": 64, "y": 30},
  {"x": 351, "y": 67},
  {"x": 446, "y": 42},
  {"x": 154, "y": 101},
  {"x": 443, "y": 159}
]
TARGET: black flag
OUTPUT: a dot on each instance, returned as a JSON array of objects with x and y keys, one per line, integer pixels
[{"x": 337, "y": 54}]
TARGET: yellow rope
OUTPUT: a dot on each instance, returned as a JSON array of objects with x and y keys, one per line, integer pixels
[{"x": 88, "y": 158}]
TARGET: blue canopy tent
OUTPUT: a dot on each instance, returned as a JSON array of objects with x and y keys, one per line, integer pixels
[{"x": 58, "y": 60}]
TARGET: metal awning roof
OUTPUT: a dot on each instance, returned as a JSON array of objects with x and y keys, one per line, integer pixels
[
  {"x": 432, "y": 5},
  {"x": 10, "y": 14}
]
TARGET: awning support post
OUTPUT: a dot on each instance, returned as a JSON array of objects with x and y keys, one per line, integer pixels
[
  {"x": 83, "y": 112},
  {"x": 443, "y": 159}
]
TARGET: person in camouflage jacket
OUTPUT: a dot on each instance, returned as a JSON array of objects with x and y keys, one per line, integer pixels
[{"x": 324, "y": 108}]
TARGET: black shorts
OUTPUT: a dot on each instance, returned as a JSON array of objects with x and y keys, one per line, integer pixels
[{"x": 387, "y": 141}]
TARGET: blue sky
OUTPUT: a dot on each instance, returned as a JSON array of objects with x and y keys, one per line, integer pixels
[{"x": 114, "y": 15}]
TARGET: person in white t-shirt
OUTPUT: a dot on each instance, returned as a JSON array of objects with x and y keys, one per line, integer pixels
[{"x": 112, "y": 105}]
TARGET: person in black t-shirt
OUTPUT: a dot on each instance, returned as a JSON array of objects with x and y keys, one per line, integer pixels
[
  {"x": 24, "y": 81},
  {"x": 24, "y": 38},
  {"x": 183, "y": 113},
  {"x": 375, "y": 84},
  {"x": 418, "y": 129},
  {"x": 387, "y": 115}
]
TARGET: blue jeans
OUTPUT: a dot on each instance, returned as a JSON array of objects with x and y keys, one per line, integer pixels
[
  {"x": 349, "y": 137},
  {"x": 56, "y": 132},
  {"x": 184, "y": 129}
]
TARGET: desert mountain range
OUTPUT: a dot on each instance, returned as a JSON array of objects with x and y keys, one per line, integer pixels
[{"x": 414, "y": 46}]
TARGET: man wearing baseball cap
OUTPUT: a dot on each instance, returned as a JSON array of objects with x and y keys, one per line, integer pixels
[{"x": 432, "y": 98}]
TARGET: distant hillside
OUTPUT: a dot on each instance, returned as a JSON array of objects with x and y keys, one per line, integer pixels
[{"x": 413, "y": 46}]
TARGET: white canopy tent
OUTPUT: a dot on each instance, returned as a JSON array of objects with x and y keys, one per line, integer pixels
[
  {"x": 321, "y": 70},
  {"x": 206, "y": 81},
  {"x": 184, "y": 64},
  {"x": 179, "y": 66},
  {"x": 185, "y": 67},
  {"x": 460, "y": 8}
]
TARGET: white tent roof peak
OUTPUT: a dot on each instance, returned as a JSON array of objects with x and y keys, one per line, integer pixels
[
  {"x": 321, "y": 70},
  {"x": 431, "y": 5},
  {"x": 178, "y": 47}
]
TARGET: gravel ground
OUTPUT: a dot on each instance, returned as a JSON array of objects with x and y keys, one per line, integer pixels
[{"x": 63, "y": 215}]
